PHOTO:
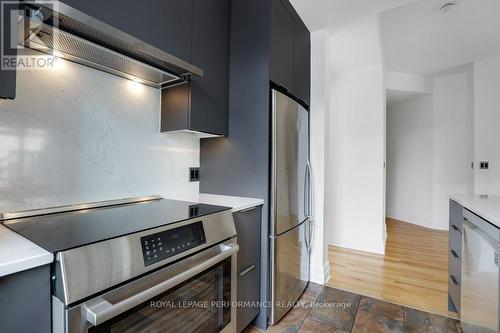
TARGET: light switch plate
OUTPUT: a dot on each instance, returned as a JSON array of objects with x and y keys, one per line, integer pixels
[
  {"x": 484, "y": 165},
  {"x": 194, "y": 174}
]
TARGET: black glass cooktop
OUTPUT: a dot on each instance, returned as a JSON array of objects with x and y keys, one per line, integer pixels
[{"x": 63, "y": 231}]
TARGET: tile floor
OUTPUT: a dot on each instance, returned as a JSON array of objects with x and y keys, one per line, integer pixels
[{"x": 325, "y": 309}]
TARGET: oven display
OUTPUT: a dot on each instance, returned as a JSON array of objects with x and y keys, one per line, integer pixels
[{"x": 171, "y": 242}]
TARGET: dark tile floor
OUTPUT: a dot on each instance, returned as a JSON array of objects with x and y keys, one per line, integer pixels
[{"x": 323, "y": 309}]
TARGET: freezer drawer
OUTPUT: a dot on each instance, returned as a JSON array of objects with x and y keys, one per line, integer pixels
[
  {"x": 479, "y": 287},
  {"x": 290, "y": 270}
]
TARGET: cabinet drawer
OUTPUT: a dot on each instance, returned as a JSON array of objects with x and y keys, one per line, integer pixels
[
  {"x": 247, "y": 224},
  {"x": 455, "y": 240},
  {"x": 248, "y": 291},
  {"x": 454, "y": 291},
  {"x": 456, "y": 215},
  {"x": 455, "y": 265},
  {"x": 482, "y": 224}
]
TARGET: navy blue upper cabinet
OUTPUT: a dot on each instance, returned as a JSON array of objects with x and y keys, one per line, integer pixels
[
  {"x": 290, "y": 57},
  {"x": 281, "y": 56},
  {"x": 202, "y": 104},
  {"x": 210, "y": 52},
  {"x": 165, "y": 24},
  {"x": 302, "y": 63},
  {"x": 7, "y": 77}
]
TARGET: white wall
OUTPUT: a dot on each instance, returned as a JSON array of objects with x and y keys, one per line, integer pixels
[
  {"x": 320, "y": 267},
  {"x": 429, "y": 152},
  {"x": 417, "y": 84},
  {"x": 487, "y": 125},
  {"x": 354, "y": 182},
  {"x": 354, "y": 188},
  {"x": 451, "y": 160},
  {"x": 410, "y": 164},
  {"x": 74, "y": 134}
]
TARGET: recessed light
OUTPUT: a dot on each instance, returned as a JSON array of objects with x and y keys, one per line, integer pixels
[{"x": 447, "y": 6}]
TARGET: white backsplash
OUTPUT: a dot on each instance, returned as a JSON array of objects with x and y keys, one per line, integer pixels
[{"x": 74, "y": 134}]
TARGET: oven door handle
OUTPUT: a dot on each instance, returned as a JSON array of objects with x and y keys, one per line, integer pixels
[{"x": 101, "y": 310}]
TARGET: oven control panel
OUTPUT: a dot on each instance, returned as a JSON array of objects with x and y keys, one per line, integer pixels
[{"x": 166, "y": 244}]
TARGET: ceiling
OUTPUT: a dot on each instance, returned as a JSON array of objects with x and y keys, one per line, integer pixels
[
  {"x": 395, "y": 97},
  {"x": 419, "y": 39},
  {"x": 334, "y": 14},
  {"x": 416, "y": 37}
]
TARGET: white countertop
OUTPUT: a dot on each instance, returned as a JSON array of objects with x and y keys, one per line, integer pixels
[
  {"x": 487, "y": 207},
  {"x": 237, "y": 203},
  {"x": 18, "y": 253}
]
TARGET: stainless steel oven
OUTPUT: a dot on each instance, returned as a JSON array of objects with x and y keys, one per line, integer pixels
[{"x": 121, "y": 285}]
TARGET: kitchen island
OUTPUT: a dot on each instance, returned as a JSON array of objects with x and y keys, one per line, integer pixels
[{"x": 473, "y": 261}]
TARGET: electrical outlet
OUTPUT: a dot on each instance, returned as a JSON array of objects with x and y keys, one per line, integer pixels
[
  {"x": 484, "y": 165},
  {"x": 194, "y": 174},
  {"x": 194, "y": 210}
]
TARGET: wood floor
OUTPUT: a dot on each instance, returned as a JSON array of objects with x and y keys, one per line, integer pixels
[{"x": 414, "y": 271}]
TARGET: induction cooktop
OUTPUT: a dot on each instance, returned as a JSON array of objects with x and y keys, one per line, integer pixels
[{"x": 57, "y": 232}]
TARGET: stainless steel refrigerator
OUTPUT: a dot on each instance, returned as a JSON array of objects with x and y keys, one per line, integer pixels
[{"x": 291, "y": 201}]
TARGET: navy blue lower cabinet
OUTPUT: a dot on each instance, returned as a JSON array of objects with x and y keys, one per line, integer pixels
[
  {"x": 248, "y": 228},
  {"x": 25, "y": 305},
  {"x": 248, "y": 295}
]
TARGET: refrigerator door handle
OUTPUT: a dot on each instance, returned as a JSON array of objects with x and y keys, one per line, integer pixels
[
  {"x": 308, "y": 191},
  {"x": 306, "y": 235},
  {"x": 310, "y": 225},
  {"x": 308, "y": 232}
]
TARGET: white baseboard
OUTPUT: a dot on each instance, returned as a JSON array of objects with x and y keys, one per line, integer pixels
[
  {"x": 355, "y": 243},
  {"x": 319, "y": 274},
  {"x": 326, "y": 270},
  {"x": 418, "y": 220}
]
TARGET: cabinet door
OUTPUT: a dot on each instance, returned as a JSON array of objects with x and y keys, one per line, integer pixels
[
  {"x": 282, "y": 48},
  {"x": 302, "y": 63},
  {"x": 25, "y": 301},
  {"x": 247, "y": 225},
  {"x": 165, "y": 24},
  {"x": 7, "y": 84},
  {"x": 210, "y": 95},
  {"x": 7, "y": 76},
  {"x": 248, "y": 291}
]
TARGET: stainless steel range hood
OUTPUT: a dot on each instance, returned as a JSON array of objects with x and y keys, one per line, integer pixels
[{"x": 58, "y": 29}]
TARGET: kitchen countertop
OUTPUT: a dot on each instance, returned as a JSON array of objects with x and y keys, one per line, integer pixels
[
  {"x": 237, "y": 203},
  {"x": 18, "y": 253},
  {"x": 68, "y": 230},
  {"x": 487, "y": 207}
]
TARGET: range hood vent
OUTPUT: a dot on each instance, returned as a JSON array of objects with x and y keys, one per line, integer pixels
[{"x": 57, "y": 29}]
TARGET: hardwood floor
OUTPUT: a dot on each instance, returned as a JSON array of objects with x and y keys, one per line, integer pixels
[{"x": 414, "y": 271}]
